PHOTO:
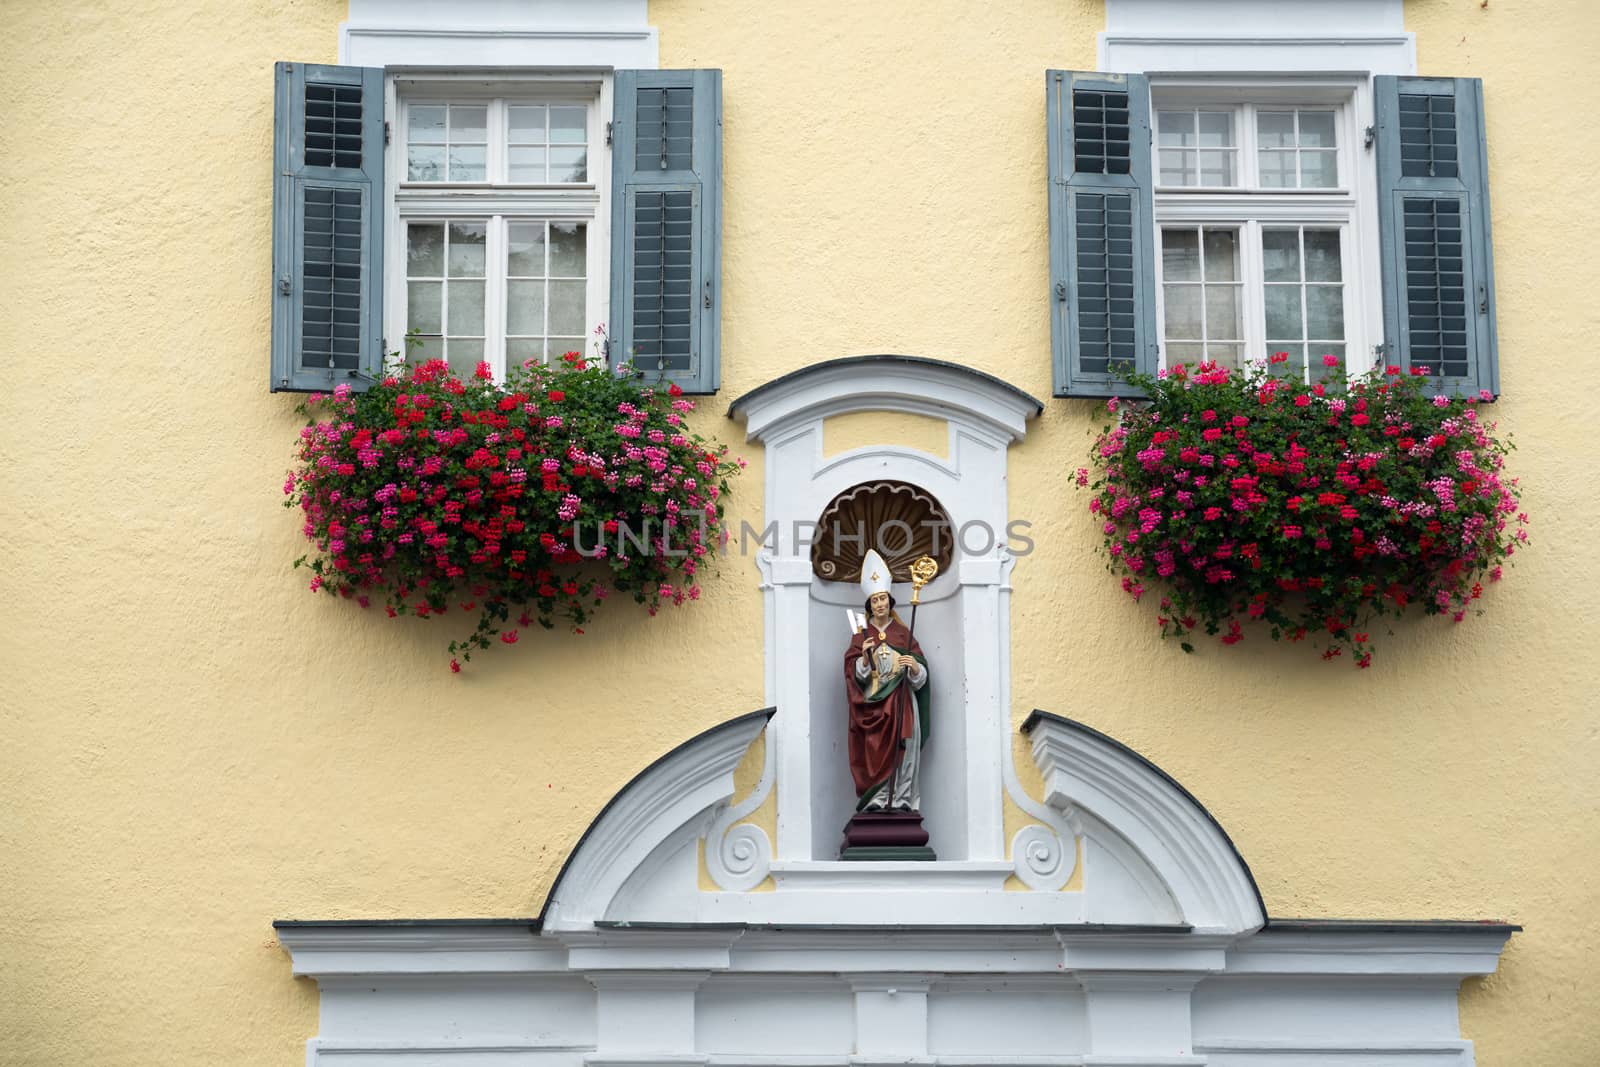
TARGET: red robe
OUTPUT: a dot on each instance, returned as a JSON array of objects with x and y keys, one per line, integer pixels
[{"x": 877, "y": 728}]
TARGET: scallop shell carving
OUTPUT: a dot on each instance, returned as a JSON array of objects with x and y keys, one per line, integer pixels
[{"x": 900, "y": 520}]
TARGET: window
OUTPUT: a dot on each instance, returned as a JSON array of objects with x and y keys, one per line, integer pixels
[
  {"x": 1259, "y": 216},
  {"x": 500, "y": 243},
  {"x": 499, "y": 220},
  {"x": 1232, "y": 207}
]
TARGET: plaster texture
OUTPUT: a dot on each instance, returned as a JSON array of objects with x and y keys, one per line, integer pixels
[{"x": 196, "y": 746}]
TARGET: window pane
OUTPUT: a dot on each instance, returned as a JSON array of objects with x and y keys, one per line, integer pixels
[
  {"x": 1325, "y": 311},
  {"x": 527, "y": 123},
  {"x": 560, "y": 346},
  {"x": 1280, "y": 254},
  {"x": 466, "y": 308},
  {"x": 468, "y": 163},
  {"x": 1275, "y": 129},
  {"x": 1227, "y": 355},
  {"x": 1184, "y": 352},
  {"x": 423, "y": 302},
  {"x": 467, "y": 249},
  {"x": 566, "y": 307},
  {"x": 521, "y": 349},
  {"x": 1176, "y": 127},
  {"x": 1277, "y": 170},
  {"x": 568, "y": 249},
  {"x": 469, "y": 123},
  {"x": 525, "y": 251},
  {"x": 569, "y": 164},
  {"x": 1180, "y": 255},
  {"x": 1216, "y": 167},
  {"x": 425, "y": 163},
  {"x": 425, "y": 250},
  {"x": 1297, "y": 357},
  {"x": 1325, "y": 350},
  {"x": 1283, "y": 311},
  {"x": 1322, "y": 256},
  {"x": 1222, "y": 257},
  {"x": 526, "y": 164},
  {"x": 1175, "y": 165},
  {"x": 425, "y": 123},
  {"x": 1182, "y": 316},
  {"x": 426, "y": 348},
  {"x": 569, "y": 125},
  {"x": 1222, "y": 312},
  {"x": 1216, "y": 129},
  {"x": 525, "y": 308},
  {"x": 1316, "y": 129},
  {"x": 1319, "y": 169},
  {"x": 464, "y": 356}
]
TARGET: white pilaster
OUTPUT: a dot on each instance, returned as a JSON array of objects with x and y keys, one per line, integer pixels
[
  {"x": 790, "y": 585},
  {"x": 1139, "y": 1019},
  {"x": 644, "y": 1018},
  {"x": 891, "y": 1018},
  {"x": 984, "y": 719}
]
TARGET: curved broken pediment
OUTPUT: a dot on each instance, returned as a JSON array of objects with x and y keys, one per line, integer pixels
[{"x": 1150, "y": 854}]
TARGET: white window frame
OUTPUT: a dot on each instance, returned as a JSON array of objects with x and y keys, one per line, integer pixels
[
  {"x": 588, "y": 202},
  {"x": 1351, "y": 207}
]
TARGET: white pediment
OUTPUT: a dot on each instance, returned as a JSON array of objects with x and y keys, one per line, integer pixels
[{"x": 1152, "y": 855}]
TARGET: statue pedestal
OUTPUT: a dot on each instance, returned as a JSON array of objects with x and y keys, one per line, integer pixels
[{"x": 886, "y": 835}]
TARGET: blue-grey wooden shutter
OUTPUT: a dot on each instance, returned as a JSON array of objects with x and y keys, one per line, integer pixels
[
  {"x": 327, "y": 227},
  {"x": 1102, "y": 231},
  {"x": 666, "y": 226},
  {"x": 1433, "y": 211}
]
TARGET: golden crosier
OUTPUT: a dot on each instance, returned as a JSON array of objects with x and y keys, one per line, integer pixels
[{"x": 923, "y": 570}]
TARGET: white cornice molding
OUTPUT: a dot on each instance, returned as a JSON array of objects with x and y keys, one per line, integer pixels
[
  {"x": 906, "y": 384},
  {"x": 1055, "y": 953},
  {"x": 1171, "y": 36},
  {"x": 1454, "y": 954},
  {"x": 326, "y": 950},
  {"x": 499, "y": 34},
  {"x": 1085, "y": 771}
]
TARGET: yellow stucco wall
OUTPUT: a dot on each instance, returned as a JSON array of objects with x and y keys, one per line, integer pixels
[{"x": 193, "y": 745}]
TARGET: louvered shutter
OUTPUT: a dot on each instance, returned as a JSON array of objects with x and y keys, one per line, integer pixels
[
  {"x": 1433, "y": 209},
  {"x": 666, "y": 212},
  {"x": 327, "y": 227},
  {"x": 1102, "y": 238}
]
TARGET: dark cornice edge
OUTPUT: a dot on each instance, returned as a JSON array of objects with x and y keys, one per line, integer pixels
[{"x": 1393, "y": 926}]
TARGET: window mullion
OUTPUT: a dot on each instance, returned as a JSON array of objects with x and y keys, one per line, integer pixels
[
  {"x": 495, "y": 169},
  {"x": 1248, "y": 163},
  {"x": 1305, "y": 294},
  {"x": 1358, "y": 355},
  {"x": 494, "y": 297},
  {"x": 1255, "y": 295},
  {"x": 1162, "y": 359}
]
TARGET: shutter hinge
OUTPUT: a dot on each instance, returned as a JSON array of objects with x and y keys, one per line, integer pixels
[
  {"x": 388, "y": 132},
  {"x": 608, "y": 134},
  {"x": 1061, "y": 291},
  {"x": 285, "y": 286},
  {"x": 1369, "y": 135},
  {"x": 1483, "y": 299},
  {"x": 708, "y": 293},
  {"x": 1381, "y": 348}
]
